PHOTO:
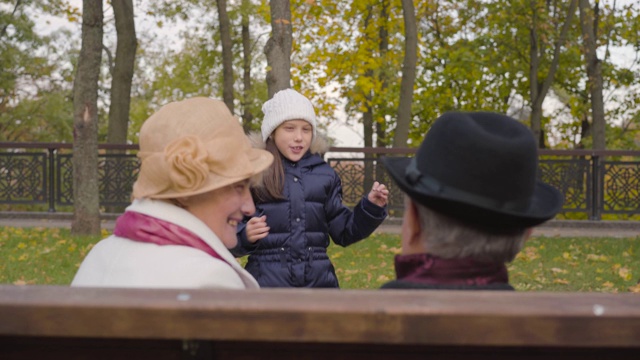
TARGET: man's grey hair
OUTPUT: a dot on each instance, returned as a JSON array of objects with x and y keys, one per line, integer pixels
[{"x": 448, "y": 238}]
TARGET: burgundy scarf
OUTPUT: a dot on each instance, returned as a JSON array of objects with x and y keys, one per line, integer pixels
[
  {"x": 139, "y": 227},
  {"x": 429, "y": 269}
]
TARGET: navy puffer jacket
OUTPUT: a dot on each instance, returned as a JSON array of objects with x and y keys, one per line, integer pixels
[{"x": 294, "y": 254}]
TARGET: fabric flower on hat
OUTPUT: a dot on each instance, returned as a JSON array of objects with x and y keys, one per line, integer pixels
[{"x": 187, "y": 161}]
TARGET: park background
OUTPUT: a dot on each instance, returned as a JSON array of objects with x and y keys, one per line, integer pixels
[
  {"x": 347, "y": 56},
  {"x": 379, "y": 72}
]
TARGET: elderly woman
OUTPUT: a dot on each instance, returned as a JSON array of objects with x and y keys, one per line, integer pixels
[{"x": 192, "y": 190}]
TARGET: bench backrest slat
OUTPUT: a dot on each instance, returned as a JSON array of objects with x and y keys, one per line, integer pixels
[{"x": 440, "y": 318}]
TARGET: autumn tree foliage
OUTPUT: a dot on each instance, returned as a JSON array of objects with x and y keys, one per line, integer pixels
[{"x": 536, "y": 60}]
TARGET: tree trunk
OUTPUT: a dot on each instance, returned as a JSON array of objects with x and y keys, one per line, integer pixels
[
  {"x": 86, "y": 212},
  {"x": 368, "y": 119},
  {"x": 538, "y": 91},
  {"x": 247, "y": 114},
  {"x": 380, "y": 127},
  {"x": 589, "y": 25},
  {"x": 122, "y": 72},
  {"x": 367, "y": 126},
  {"x": 227, "y": 55},
  {"x": 408, "y": 75},
  {"x": 278, "y": 47}
]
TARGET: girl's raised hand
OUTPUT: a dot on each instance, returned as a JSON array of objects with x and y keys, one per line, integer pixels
[
  {"x": 378, "y": 194},
  {"x": 257, "y": 228}
]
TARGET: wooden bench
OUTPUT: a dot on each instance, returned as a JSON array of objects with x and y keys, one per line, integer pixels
[{"x": 54, "y": 322}]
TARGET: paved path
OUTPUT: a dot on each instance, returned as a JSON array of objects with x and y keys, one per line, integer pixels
[
  {"x": 562, "y": 228},
  {"x": 568, "y": 228},
  {"x": 553, "y": 231}
]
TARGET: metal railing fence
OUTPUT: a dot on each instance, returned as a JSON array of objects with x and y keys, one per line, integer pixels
[{"x": 593, "y": 182}]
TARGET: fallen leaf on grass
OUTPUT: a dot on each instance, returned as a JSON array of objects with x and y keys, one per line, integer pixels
[
  {"x": 594, "y": 257},
  {"x": 625, "y": 273},
  {"x": 559, "y": 271},
  {"x": 395, "y": 250}
]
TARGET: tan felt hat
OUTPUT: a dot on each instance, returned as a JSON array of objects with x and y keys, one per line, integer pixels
[{"x": 193, "y": 146}]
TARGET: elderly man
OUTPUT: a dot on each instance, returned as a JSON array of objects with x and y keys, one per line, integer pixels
[{"x": 471, "y": 199}]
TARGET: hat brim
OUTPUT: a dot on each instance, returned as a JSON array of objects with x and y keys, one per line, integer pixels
[
  {"x": 259, "y": 159},
  {"x": 545, "y": 203}
]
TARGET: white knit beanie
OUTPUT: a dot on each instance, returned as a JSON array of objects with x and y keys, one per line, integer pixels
[{"x": 286, "y": 104}]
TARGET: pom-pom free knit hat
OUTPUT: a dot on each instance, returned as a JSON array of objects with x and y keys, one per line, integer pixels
[
  {"x": 286, "y": 104},
  {"x": 479, "y": 167},
  {"x": 194, "y": 146}
]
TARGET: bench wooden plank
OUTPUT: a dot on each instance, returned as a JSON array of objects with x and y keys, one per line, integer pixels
[
  {"x": 434, "y": 318},
  {"x": 84, "y": 348}
]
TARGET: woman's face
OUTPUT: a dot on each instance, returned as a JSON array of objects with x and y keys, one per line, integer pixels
[
  {"x": 293, "y": 138},
  {"x": 222, "y": 209}
]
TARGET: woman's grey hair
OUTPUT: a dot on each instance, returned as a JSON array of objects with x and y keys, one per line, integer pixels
[{"x": 448, "y": 238}]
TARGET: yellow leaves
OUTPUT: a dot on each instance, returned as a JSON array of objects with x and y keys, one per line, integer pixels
[
  {"x": 601, "y": 258},
  {"x": 529, "y": 253},
  {"x": 559, "y": 271},
  {"x": 395, "y": 250},
  {"x": 21, "y": 246},
  {"x": 625, "y": 273},
  {"x": 608, "y": 285}
]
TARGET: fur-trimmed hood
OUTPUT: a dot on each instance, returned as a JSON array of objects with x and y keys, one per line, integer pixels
[{"x": 319, "y": 144}]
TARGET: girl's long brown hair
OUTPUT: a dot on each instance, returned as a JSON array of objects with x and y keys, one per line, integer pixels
[{"x": 272, "y": 184}]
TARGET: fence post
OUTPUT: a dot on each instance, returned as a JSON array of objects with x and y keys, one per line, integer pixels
[
  {"x": 52, "y": 198},
  {"x": 596, "y": 186}
]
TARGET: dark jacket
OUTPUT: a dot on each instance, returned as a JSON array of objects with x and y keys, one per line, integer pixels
[{"x": 294, "y": 254}]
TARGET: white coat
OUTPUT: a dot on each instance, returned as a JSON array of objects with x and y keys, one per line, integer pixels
[{"x": 121, "y": 262}]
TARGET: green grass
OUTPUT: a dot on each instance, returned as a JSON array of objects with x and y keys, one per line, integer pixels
[
  {"x": 41, "y": 256},
  {"x": 51, "y": 257}
]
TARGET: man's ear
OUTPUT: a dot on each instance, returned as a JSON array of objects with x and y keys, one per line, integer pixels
[{"x": 412, "y": 232}]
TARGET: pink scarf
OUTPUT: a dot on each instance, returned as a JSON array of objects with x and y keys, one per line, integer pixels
[{"x": 144, "y": 228}]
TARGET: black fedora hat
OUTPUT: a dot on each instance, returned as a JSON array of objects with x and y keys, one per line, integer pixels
[{"x": 479, "y": 167}]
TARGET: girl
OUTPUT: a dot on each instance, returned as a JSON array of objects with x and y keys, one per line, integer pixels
[{"x": 299, "y": 203}]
